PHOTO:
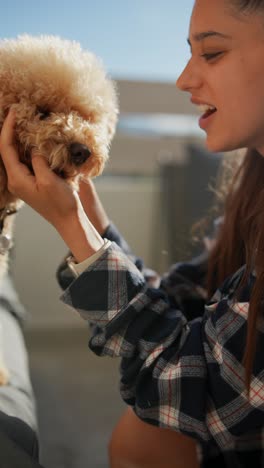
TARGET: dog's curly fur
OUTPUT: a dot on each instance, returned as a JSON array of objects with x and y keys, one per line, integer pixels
[
  {"x": 61, "y": 96},
  {"x": 66, "y": 108}
]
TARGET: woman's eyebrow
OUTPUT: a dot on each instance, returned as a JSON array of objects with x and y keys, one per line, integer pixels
[{"x": 203, "y": 35}]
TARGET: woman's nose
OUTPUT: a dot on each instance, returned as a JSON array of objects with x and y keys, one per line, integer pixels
[{"x": 189, "y": 79}]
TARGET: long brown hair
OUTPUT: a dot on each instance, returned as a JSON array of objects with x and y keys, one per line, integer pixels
[{"x": 241, "y": 241}]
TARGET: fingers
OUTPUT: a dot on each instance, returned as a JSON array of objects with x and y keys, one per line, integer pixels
[
  {"x": 20, "y": 178},
  {"x": 8, "y": 150},
  {"x": 7, "y": 134},
  {"x": 43, "y": 173},
  {"x": 86, "y": 187},
  {"x": 39, "y": 163}
]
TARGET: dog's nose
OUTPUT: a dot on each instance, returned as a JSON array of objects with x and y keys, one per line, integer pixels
[{"x": 79, "y": 153}]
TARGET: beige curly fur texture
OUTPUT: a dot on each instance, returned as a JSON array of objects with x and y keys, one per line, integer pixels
[
  {"x": 62, "y": 96},
  {"x": 48, "y": 76}
]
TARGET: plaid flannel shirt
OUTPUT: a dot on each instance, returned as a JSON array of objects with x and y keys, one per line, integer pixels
[{"x": 179, "y": 374}]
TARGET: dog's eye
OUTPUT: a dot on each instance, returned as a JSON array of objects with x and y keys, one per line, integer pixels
[{"x": 43, "y": 114}]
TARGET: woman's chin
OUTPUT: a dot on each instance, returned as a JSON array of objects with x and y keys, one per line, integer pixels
[{"x": 215, "y": 146}]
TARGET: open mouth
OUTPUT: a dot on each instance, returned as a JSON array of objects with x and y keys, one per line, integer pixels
[{"x": 207, "y": 112}]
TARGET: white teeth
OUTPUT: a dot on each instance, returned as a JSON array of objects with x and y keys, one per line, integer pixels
[{"x": 205, "y": 107}]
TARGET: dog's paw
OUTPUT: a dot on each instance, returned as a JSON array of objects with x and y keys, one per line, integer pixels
[{"x": 4, "y": 376}]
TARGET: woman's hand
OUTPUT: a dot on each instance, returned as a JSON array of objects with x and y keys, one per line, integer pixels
[
  {"x": 44, "y": 191},
  {"x": 49, "y": 195}
]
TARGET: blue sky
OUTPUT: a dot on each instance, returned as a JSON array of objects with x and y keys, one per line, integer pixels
[{"x": 136, "y": 39}]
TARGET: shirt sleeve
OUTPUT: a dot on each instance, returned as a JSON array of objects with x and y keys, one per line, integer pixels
[
  {"x": 67, "y": 272},
  {"x": 187, "y": 376},
  {"x": 78, "y": 268}
]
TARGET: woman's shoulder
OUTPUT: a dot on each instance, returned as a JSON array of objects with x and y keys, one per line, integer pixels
[{"x": 236, "y": 287}]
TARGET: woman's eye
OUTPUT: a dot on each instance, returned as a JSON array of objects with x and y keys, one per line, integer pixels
[{"x": 208, "y": 57}]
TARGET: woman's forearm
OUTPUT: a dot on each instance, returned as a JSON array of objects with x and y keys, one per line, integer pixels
[
  {"x": 93, "y": 206},
  {"x": 79, "y": 235}
]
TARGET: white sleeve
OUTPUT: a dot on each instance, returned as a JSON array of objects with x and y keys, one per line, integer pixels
[{"x": 78, "y": 268}]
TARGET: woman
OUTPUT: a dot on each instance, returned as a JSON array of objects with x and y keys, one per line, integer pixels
[{"x": 203, "y": 378}]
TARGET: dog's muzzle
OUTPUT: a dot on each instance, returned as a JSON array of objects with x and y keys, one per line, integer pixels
[{"x": 79, "y": 153}]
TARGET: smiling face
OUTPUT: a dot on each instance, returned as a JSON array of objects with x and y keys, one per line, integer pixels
[{"x": 226, "y": 71}]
